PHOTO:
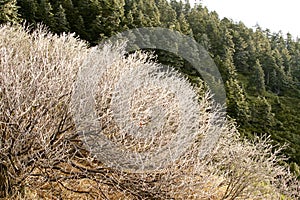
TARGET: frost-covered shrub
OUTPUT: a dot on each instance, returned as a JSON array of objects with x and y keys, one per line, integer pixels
[{"x": 56, "y": 112}]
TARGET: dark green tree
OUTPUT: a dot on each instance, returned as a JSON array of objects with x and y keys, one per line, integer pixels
[
  {"x": 74, "y": 18},
  {"x": 28, "y": 10},
  {"x": 241, "y": 48},
  {"x": 237, "y": 106},
  {"x": 45, "y": 14},
  {"x": 258, "y": 79},
  {"x": 261, "y": 114},
  {"x": 61, "y": 22}
]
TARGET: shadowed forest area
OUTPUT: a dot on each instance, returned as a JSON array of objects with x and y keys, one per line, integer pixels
[{"x": 260, "y": 68}]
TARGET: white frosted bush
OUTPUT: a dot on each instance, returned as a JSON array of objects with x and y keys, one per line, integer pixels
[
  {"x": 37, "y": 72},
  {"x": 79, "y": 123}
]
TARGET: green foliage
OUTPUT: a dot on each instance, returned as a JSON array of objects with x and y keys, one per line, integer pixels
[
  {"x": 62, "y": 25},
  {"x": 295, "y": 168},
  {"x": 28, "y": 10},
  {"x": 8, "y": 11},
  {"x": 45, "y": 13},
  {"x": 258, "y": 80}
]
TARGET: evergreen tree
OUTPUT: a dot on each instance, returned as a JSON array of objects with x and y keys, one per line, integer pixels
[
  {"x": 258, "y": 78},
  {"x": 109, "y": 20},
  {"x": 133, "y": 11},
  {"x": 241, "y": 54},
  {"x": 262, "y": 113},
  {"x": 178, "y": 6},
  {"x": 75, "y": 20},
  {"x": 152, "y": 14},
  {"x": 28, "y": 10},
  {"x": 237, "y": 106},
  {"x": 129, "y": 20},
  {"x": 184, "y": 26},
  {"x": 168, "y": 17},
  {"x": 198, "y": 18},
  {"x": 45, "y": 14},
  {"x": 142, "y": 13},
  {"x": 62, "y": 24},
  {"x": 286, "y": 57},
  {"x": 8, "y": 11}
]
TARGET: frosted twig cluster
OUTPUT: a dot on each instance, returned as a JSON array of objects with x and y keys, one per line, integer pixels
[
  {"x": 159, "y": 127},
  {"x": 137, "y": 115}
]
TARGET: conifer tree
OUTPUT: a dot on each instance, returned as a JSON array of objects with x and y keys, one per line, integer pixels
[
  {"x": 178, "y": 6},
  {"x": 197, "y": 20},
  {"x": 262, "y": 113},
  {"x": 74, "y": 18},
  {"x": 237, "y": 106},
  {"x": 62, "y": 24},
  {"x": 28, "y": 10},
  {"x": 45, "y": 14},
  {"x": 240, "y": 50},
  {"x": 258, "y": 78},
  {"x": 8, "y": 11},
  {"x": 109, "y": 15},
  {"x": 184, "y": 26},
  {"x": 286, "y": 57},
  {"x": 168, "y": 17}
]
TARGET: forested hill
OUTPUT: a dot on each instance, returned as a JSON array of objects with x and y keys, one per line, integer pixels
[{"x": 261, "y": 69}]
